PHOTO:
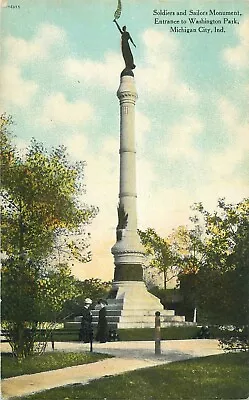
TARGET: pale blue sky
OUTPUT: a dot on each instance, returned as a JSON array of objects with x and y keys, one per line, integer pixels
[{"x": 61, "y": 62}]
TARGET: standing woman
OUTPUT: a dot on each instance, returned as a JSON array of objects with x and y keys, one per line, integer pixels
[
  {"x": 126, "y": 50},
  {"x": 102, "y": 329},
  {"x": 85, "y": 334}
]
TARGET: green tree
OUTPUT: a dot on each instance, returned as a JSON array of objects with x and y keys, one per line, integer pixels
[
  {"x": 33, "y": 293},
  {"x": 223, "y": 276},
  {"x": 93, "y": 288},
  {"x": 40, "y": 199},
  {"x": 186, "y": 244},
  {"x": 161, "y": 258},
  {"x": 42, "y": 216}
]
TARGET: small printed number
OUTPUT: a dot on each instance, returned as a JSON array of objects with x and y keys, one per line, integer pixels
[{"x": 13, "y": 6}]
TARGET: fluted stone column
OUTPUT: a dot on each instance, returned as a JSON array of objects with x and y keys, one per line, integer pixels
[
  {"x": 128, "y": 251},
  {"x": 134, "y": 305}
]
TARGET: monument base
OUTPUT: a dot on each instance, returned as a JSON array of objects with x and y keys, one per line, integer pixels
[{"x": 130, "y": 305}]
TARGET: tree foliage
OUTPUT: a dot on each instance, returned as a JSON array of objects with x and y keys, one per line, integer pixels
[
  {"x": 225, "y": 229},
  {"x": 188, "y": 249},
  {"x": 42, "y": 217},
  {"x": 40, "y": 194},
  {"x": 223, "y": 275},
  {"x": 93, "y": 288},
  {"x": 32, "y": 293},
  {"x": 161, "y": 258},
  {"x": 178, "y": 253},
  {"x": 186, "y": 245},
  {"x": 211, "y": 260}
]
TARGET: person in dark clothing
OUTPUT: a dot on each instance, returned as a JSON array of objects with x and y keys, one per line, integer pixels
[
  {"x": 204, "y": 333},
  {"x": 126, "y": 50},
  {"x": 86, "y": 333},
  {"x": 102, "y": 329}
]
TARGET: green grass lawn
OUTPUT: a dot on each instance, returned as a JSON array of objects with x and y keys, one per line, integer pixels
[
  {"x": 45, "y": 362},
  {"x": 169, "y": 333},
  {"x": 222, "y": 376}
]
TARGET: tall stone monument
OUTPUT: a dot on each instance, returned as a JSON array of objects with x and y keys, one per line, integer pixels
[
  {"x": 130, "y": 304},
  {"x": 128, "y": 252}
]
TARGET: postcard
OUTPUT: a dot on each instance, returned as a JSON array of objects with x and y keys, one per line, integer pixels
[{"x": 171, "y": 73}]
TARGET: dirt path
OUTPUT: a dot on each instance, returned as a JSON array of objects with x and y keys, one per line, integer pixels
[{"x": 129, "y": 356}]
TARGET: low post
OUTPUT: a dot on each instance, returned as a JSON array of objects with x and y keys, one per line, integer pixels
[
  {"x": 91, "y": 339},
  {"x": 157, "y": 333},
  {"x": 52, "y": 340}
]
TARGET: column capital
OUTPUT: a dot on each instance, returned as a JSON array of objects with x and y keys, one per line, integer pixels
[
  {"x": 127, "y": 97},
  {"x": 127, "y": 90}
]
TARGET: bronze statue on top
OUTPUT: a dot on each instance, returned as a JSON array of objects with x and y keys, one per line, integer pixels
[{"x": 126, "y": 50}]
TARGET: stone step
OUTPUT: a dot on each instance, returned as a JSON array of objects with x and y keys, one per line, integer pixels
[
  {"x": 131, "y": 305},
  {"x": 133, "y": 312},
  {"x": 141, "y": 305},
  {"x": 111, "y": 307},
  {"x": 77, "y": 325},
  {"x": 133, "y": 321},
  {"x": 128, "y": 325},
  {"x": 114, "y": 301},
  {"x": 128, "y": 313},
  {"x": 139, "y": 318}
]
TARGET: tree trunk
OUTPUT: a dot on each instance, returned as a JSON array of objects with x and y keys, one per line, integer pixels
[{"x": 164, "y": 280}]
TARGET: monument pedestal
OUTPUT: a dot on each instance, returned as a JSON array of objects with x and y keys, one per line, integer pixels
[
  {"x": 135, "y": 296},
  {"x": 133, "y": 307}
]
